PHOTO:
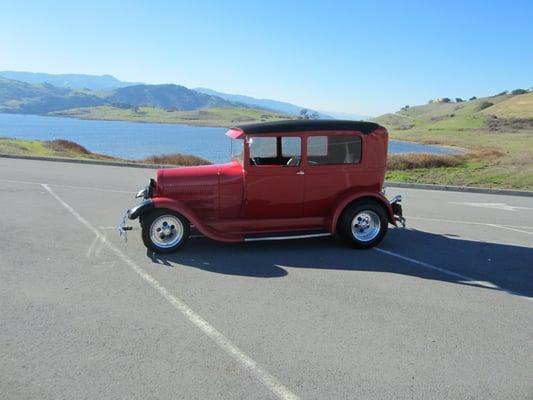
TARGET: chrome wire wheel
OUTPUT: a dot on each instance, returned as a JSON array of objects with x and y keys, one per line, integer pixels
[
  {"x": 166, "y": 231},
  {"x": 366, "y": 226}
]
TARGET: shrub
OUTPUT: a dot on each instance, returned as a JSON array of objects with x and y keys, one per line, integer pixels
[
  {"x": 509, "y": 125},
  {"x": 176, "y": 159},
  {"x": 62, "y": 145},
  {"x": 124, "y": 106},
  {"x": 423, "y": 160},
  {"x": 472, "y": 98},
  {"x": 458, "y": 100},
  {"x": 487, "y": 153},
  {"x": 518, "y": 91},
  {"x": 446, "y": 100},
  {"x": 501, "y": 93},
  {"x": 485, "y": 104}
]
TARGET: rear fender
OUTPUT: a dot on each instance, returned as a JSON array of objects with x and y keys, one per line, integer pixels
[{"x": 350, "y": 198}]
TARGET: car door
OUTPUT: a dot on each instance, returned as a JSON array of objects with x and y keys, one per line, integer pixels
[
  {"x": 332, "y": 166},
  {"x": 273, "y": 180}
]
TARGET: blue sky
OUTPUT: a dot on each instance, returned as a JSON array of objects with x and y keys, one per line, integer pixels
[{"x": 358, "y": 57}]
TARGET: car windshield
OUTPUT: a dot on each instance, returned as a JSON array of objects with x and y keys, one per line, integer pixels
[{"x": 237, "y": 150}]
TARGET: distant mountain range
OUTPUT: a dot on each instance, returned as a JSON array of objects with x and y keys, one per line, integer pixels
[
  {"x": 44, "y": 98},
  {"x": 168, "y": 96},
  {"x": 279, "y": 106},
  {"x": 52, "y": 92},
  {"x": 72, "y": 81},
  {"x": 266, "y": 104}
]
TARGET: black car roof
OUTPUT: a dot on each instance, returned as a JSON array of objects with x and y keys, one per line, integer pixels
[{"x": 297, "y": 125}]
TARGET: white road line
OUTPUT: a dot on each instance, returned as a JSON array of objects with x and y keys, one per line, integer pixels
[
  {"x": 246, "y": 362},
  {"x": 91, "y": 247},
  {"x": 454, "y": 221},
  {"x": 496, "y": 206},
  {"x": 463, "y": 278},
  {"x": 435, "y": 268},
  {"x": 510, "y": 229},
  {"x": 68, "y": 186}
]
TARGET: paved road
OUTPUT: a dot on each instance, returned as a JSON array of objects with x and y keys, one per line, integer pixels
[{"x": 442, "y": 310}]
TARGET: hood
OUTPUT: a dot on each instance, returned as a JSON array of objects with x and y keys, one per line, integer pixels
[
  {"x": 198, "y": 187},
  {"x": 175, "y": 180}
]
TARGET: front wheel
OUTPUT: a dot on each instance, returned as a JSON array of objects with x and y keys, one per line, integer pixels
[
  {"x": 364, "y": 224},
  {"x": 164, "y": 231}
]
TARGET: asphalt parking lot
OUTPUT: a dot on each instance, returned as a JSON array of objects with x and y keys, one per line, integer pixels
[{"x": 441, "y": 310}]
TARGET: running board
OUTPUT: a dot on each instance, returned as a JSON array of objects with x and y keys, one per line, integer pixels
[{"x": 287, "y": 237}]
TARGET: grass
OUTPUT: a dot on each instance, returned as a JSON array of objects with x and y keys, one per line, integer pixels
[
  {"x": 497, "y": 140},
  {"x": 223, "y": 117},
  {"x": 67, "y": 149},
  {"x": 485, "y": 168},
  {"x": 55, "y": 148},
  {"x": 520, "y": 106}
]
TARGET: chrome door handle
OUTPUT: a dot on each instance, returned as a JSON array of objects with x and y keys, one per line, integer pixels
[{"x": 300, "y": 173}]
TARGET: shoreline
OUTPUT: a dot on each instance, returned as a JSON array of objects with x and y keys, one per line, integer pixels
[
  {"x": 114, "y": 120},
  {"x": 461, "y": 150},
  {"x": 411, "y": 168},
  {"x": 201, "y": 125},
  {"x": 132, "y": 121}
]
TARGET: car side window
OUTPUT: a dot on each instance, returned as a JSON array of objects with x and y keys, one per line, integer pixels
[
  {"x": 291, "y": 150},
  {"x": 263, "y": 147},
  {"x": 279, "y": 150},
  {"x": 324, "y": 150}
]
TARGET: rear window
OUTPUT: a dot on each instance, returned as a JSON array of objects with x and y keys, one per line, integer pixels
[{"x": 323, "y": 150}]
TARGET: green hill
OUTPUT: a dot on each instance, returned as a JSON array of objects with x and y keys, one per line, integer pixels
[
  {"x": 168, "y": 97},
  {"x": 138, "y": 103},
  {"x": 434, "y": 116},
  {"x": 514, "y": 107},
  {"x": 496, "y": 133},
  {"x": 21, "y": 97},
  {"x": 43, "y": 98}
]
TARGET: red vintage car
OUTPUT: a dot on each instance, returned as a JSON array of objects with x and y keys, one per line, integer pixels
[{"x": 286, "y": 180}]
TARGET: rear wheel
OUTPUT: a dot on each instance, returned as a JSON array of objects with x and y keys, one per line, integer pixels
[
  {"x": 164, "y": 231},
  {"x": 364, "y": 224}
]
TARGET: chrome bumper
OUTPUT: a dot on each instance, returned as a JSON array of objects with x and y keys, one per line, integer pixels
[
  {"x": 395, "y": 203},
  {"x": 133, "y": 213},
  {"x": 123, "y": 228}
]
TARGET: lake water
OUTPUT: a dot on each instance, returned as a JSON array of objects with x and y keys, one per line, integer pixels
[{"x": 132, "y": 140}]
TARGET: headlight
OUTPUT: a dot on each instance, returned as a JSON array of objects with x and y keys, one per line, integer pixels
[
  {"x": 147, "y": 191},
  {"x": 142, "y": 193}
]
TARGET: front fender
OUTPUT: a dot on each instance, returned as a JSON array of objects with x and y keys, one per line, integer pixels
[
  {"x": 140, "y": 209},
  {"x": 193, "y": 218},
  {"x": 347, "y": 199}
]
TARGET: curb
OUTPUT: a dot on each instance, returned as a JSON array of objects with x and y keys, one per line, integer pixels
[
  {"x": 464, "y": 189},
  {"x": 89, "y": 162},
  {"x": 406, "y": 185}
]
